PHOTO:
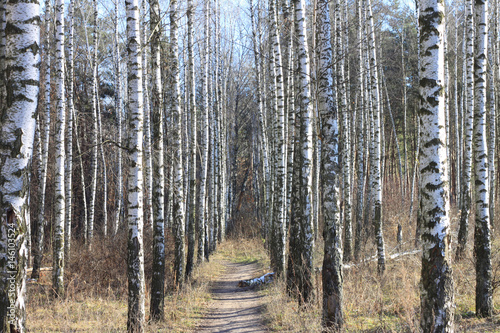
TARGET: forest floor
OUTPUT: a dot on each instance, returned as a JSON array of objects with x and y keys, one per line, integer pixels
[
  {"x": 96, "y": 294},
  {"x": 234, "y": 308}
]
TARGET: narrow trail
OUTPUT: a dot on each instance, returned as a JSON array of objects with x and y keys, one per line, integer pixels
[{"x": 234, "y": 309}]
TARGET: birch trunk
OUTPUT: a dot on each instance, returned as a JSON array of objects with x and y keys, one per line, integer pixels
[
  {"x": 178, "y": 190},
  {"x": 69, "y": 142},
  {"x": 346, "y": 142},
  {"x": 377, "y": 142},
  {"x": 40, "y": 223},
  {"x": 93, "y": 185},
  {"x": 158, "y": 275},
  {"x": 332, "y": 262},
  {"x": 201, "y": 214},
  {"x": 135, "y": 258},
  {"x": 262, "y": 119},
  {"x": 360, "y": 136},
  {"x": 148, "y": 217},
  {"x": 482, "y": 232},
  {"x": 306, "y": 152},
  {"x": 59, "y": 209},
  {"x": 22, "y": 61},
  {"x": 467, "y": 171},
  {"x": 492, "y": 130},
  {"x": 191, "y": 87},
  {"x": 119, "y": 111},
  {"x": 437, "y": 281},
  {"x": 280, "y": 147},
  {"x": 104, "y": 174}
]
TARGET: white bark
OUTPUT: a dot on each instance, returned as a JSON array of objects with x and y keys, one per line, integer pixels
[
  {"x": 95, "y": 129},
  {"x": 119, "y": 111},
  {"x": 377, "y": 142},
  {"x": 148, "y": 174},
  {"x": 59, "y": 209},
  {"x": 482, "y": 234},
  {"x": 467, "y": 171},
  {"x": 40, "y": 226},
  {"x": 280, "y": 145},
  {"x": 191, "y": 87},
  {"x": 158, "y": 275},
  {"x": 22, "y": 43},
  {"x": 332, "y": 262},
  {"x": 135, "y": 259},
  {"x": 201, "y": 214},
  {"x": 437, "y": 282},
  {"x": 306, "y": 152},
  {"x": 104, "y": 173},
  {"x": 178, "y": 173},
  {"x": 69, "y": 142}
]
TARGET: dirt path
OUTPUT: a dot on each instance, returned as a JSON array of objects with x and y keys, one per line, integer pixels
[{"x": 234, "y": 309}]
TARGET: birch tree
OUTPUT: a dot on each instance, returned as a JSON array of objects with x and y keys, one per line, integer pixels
[
  {"x": 492, "y": 113},
  {"x": 69, "y": 141},
  {"x": 482, "y": 232},
  {"x": 178, "y": 195},
  {"x": 201, "y": 214},
  {"x": 377, "y": 142},
  {"x": 118, "y": 110},
  {"x": 158, "y": 279},
  {"x": 437, "y": 281},
  {"x": 467, "y": 170},
  {"x": 40, "y": 223},
  {"x": 104, "y": 173},
  {"x": 262, "y": 117},
  {"x": 17, "y": 106},
  {"x": 280, "y": 147},
  {"x": 306, "y": 150},
  {"x": 191, "y": 86},
  {"x": 360, "y": 135},
  {"x": 135, "y": 258},
  {"x": 148, "y": 162},
  {"x": 59, "y": 209},
  {"x": 95, "y": 129},
  {"x": 332, "y": 262}
]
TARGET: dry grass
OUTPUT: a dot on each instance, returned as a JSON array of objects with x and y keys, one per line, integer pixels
[
  {"x": 96, "y": 294},
  {"x": 390, "y": 303},
  {"x": 96, "y": 298}
]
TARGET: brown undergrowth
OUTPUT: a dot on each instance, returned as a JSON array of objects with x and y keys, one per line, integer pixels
[
  {"x": 96, "y": 292},
  {"x": 388, "y": 303}
]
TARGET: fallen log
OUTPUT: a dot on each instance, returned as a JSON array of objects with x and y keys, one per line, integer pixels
[{"x": 264, "y": 279}]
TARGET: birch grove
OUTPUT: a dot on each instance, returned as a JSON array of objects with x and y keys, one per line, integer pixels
[{"x": 144, "y": 141}]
